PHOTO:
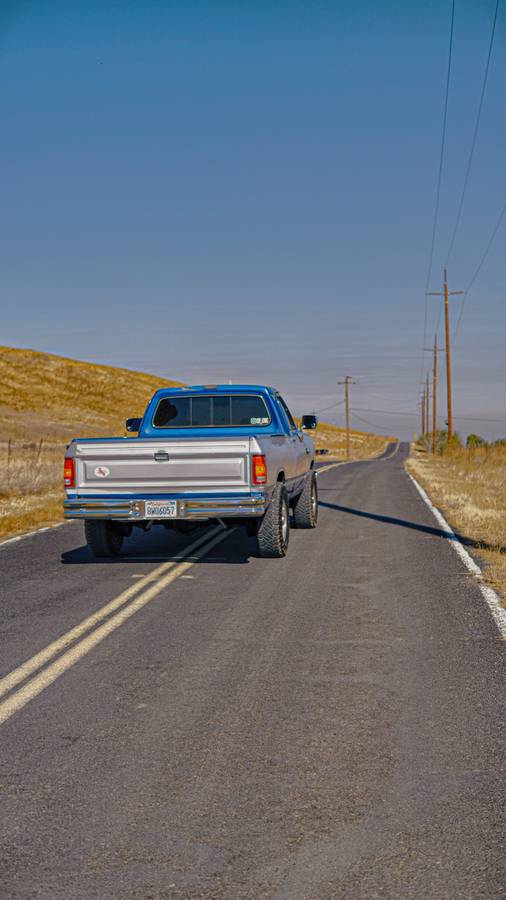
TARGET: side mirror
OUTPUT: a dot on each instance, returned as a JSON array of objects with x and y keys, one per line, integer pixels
[
  {"x": 309, "y": 422},
  {"x": 133, "y": 424}
]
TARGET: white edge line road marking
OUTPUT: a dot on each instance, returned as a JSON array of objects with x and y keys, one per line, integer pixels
[
  {"x": 39, "y": 659},
  {"x": 489, "y": 595},
  {"x": 27, "y": 534}
]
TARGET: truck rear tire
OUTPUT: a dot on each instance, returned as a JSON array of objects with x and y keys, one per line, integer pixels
[
  {"x": 274, "y": 528},
  {"x": 305, "y": 508},
  {"x": 103, "y": 538}
]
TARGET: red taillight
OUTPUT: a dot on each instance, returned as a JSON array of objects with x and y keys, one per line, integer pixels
[
  {"x": 259, "y": 470},
  {"x": 68, "y": 472}
]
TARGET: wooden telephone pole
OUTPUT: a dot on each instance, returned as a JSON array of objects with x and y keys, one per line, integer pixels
[
  {"x": 347, "y": 381},
  {"x": 445, "y": 295},
  {"x": 434, "y": 399},
  {"x": 427, "y": 395},
  {"x": 434, "y": 394}
]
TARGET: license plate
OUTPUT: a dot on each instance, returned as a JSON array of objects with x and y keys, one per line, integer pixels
[{"x": 160, "y": 509}]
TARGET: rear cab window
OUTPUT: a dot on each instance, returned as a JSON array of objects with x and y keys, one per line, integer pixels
[{"x": 216, "y": 411}]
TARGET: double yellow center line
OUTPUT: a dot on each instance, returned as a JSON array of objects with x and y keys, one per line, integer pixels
[{"x": 92, "y": 630}]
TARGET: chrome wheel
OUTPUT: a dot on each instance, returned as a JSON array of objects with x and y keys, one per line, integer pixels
[
  {"x": 284, "y": 521},
  {"x": 314, "y": 501}
]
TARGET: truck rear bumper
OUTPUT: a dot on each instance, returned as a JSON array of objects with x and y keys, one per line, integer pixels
[{"x": 193, "y": 507}]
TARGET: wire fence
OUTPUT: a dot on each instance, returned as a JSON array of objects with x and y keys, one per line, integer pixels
[{"x": 30, "y": 467}]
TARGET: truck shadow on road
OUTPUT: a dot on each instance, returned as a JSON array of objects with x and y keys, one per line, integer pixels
[
  {"x": 81, "y": 556},
  {"x": 156, "y": 548},
  {"x": 416, "y": 526}
]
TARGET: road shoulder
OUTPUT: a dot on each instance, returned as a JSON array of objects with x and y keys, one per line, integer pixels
[{"x": 481, "y": 560}]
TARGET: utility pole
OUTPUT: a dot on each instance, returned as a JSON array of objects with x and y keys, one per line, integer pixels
[
  {"x": 434, "y": 394},
  {"x": 347, "y": 381},
  {"x": 423, "y": 411},
  {"x": 446, "y": 294},
  {"x": 434, "y": 400},
  {"x": 448, "y": 364},
  {"x": 427, "y": 395}
]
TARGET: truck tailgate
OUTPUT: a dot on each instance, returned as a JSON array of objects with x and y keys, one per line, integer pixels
[{"x": 162, "y": 466}]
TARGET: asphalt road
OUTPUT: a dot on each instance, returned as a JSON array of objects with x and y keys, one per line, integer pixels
[{"x": 325, "y": 726}]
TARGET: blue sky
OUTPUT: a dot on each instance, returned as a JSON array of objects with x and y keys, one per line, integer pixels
[{"x": 245, "y": 191}]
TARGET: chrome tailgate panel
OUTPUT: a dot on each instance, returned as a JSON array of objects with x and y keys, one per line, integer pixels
[{"x": 162, "y": 466}]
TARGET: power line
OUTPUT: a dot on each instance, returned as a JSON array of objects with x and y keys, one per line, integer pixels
[
  {"x": 333, "y": 406},
  {"x": 365, "y": 421},
  {"x": 389, "y": 412},
  {"x": 439, "y": 178},
  {"x": 475, "y": 135},
  {"x": 487, "y": 249},
  {"x": 478, "y": 268},
  {"x": 479, "y": 419},
  {"x": 397, "y": 412}
]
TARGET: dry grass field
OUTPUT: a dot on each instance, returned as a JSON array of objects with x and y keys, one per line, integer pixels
[
  {"x": 469, "y": 486},
  {"x": 56, "y": 398},
  {"x": 46, "y": 400},
  {"x": 30, "y": 485}
]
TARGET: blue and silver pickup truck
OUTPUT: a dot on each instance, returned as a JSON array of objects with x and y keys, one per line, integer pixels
[{"x": 232, "y": 453}]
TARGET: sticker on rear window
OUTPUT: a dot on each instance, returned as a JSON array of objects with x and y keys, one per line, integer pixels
[{"x": 257, "y": 421}]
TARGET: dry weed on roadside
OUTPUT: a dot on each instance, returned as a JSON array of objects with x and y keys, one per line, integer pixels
[
  {"x": 469, "y": 486},
  {"x": 30, "y": 485}
]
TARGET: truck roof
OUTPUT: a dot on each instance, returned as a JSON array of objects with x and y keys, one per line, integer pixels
[{"x": 216, "y": 388}]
